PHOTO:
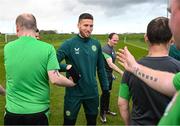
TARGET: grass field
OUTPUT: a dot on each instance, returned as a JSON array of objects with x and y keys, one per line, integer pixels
[{"x": 134, "y": 43}]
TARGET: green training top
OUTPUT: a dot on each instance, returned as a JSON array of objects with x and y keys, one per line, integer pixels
[
  {"x": 27, "y": 61},
  {"x": 176, "y": 81},
  {"x": 172, "y": 113},
  {"x": 86, "y": 57}
]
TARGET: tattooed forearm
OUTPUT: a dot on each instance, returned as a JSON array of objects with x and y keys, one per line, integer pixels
[{"x": 145, "y": 76}]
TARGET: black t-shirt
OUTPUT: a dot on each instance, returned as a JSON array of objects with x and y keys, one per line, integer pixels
[
  {"x": 148, "y": 104},
  {"x": 108, "y": 50}
]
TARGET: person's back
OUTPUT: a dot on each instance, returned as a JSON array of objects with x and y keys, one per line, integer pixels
[
  {"x": 148, "y": 104},
  {"x": 26, "y": 62},
  {"x": 164, "y": 82},
  {"x": 29, "y": 65}
]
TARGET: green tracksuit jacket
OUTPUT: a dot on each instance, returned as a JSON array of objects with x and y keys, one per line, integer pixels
[{"x": 86, "y": 57}]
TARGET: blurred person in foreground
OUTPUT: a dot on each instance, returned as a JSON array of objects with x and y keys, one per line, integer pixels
[
  {"x": 165, "y": 82},
  {"x": 148, "y": 104}
]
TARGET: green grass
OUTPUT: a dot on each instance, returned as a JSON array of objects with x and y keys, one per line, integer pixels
[{"x": 57, "y": 93}]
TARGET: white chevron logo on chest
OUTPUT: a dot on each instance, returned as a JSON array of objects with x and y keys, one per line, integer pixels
[{"x": 76, "y": 50}]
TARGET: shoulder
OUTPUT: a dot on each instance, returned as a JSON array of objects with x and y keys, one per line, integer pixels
[
  {"x": 95, "y": 41},
  {"x": 10, "y": 44},
  {"x": 107, "y": 49},
  {"x": 126, "y": 76},
  {"x": 173, "y": 60},
  {"x": 43, "y": 44},
  {"x": 142, "y": 60},
  {"x": 70, "y": 41}
]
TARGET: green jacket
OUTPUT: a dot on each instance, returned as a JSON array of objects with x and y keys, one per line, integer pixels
[{"x": 86, "y": 57}]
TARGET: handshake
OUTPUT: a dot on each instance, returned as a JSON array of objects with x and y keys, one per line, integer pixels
[{"x": 74, "y": 74}]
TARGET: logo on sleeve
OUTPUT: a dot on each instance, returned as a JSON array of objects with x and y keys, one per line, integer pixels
[
  {"x": 76, "y": 50},
  {"x": 94, "y": 48}
]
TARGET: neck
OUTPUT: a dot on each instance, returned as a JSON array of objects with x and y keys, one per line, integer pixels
[
  {"x": 81, "y": 35},
  {"x": 26, "y": 33},
  {"x": 110, "y": 44},
  {"x": 158, "y": 50}
]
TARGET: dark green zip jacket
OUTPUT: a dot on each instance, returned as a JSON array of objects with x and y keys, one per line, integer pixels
[{"x": 86, "y": 57}]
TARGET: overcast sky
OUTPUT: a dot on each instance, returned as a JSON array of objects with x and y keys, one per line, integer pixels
[{"x": 109, "y": 15}]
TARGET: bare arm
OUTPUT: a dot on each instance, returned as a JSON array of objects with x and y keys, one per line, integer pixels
[
  {"x": 56, "y": 78},
  {"x": 113, "y": 66},
  {"x": 2, "y": 91},
  {"x": 158, "y": 80},
  {"x": 123, "y": 105}
]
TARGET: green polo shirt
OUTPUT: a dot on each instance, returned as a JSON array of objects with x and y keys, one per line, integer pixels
[{"x": 27, "y": 61}]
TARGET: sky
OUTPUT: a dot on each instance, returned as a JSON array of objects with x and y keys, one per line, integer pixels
[{"x": 120, "y": 16}]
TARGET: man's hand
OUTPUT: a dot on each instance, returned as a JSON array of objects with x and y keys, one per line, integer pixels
[
  {"x": 73, "y": 74},
  {"x": 127, "y": 60}
]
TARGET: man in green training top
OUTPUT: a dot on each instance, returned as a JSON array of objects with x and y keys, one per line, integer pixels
[
  {"x": 109, "y": 59},
  {"x": 164, "y": 82},
  {"x": 84, "y": 55},
  {"x": 29, "y": 65}
]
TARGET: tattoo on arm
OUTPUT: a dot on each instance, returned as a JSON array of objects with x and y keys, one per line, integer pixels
[{"x": 146, "y": 76}]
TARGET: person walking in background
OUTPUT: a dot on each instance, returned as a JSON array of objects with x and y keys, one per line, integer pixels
[
  {"x": 148, "y": 104},
  {"x": 83, "y": 56},
  {"x": 109, "y": 59},
  {"x": 29, "y": 65}
]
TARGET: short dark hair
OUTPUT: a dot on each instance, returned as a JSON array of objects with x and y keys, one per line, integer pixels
[
  {"x": 85, "y": 16},
  {"x": 111, "y": 35},
  {"x": 27, "y": 21},
  {"x": 158, "y": 30}
]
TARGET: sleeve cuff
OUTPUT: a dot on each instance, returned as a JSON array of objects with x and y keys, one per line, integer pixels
[{"x": 124, "y": 91}]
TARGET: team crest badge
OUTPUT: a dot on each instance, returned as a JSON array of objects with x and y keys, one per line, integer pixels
[
  {"x": 68, "y": 113},
  {"x": 94, "y": 48}
]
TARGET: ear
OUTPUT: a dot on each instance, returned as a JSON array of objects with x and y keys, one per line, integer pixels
[
  {"x": 17, "y": 29},
  {"x": 172, "y": 41},
  {"x": 78, "y": 25},
  {"x": 146, "y": 38}
]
